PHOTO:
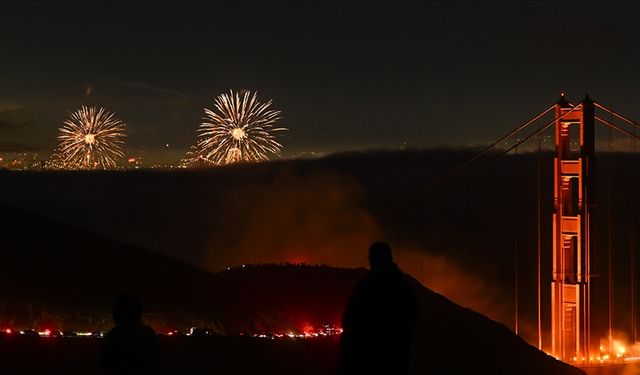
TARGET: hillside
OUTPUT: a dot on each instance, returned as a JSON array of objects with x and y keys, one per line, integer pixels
[
  {"x": 60, "y": 275},
  {"x": 459, "y": 240},
  {"x": 57, "y": 275},
  {"x": 450, "y": 339}
]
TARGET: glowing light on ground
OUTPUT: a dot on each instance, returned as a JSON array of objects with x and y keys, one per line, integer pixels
[
  {"x": 621, "y": 352},
  {"x": 308, "y": 332}
]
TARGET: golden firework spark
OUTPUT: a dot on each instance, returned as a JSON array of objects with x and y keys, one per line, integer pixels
[
  {"x": 90, "y": 138},
  {"x": 239, "y": 129}
]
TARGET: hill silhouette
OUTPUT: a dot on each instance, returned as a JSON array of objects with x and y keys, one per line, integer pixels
[
  {"x": 460, "y": 239},
  {"x": 66, "y": 276},
  {"x": 59, "y": 276},
  {"x": 450, "y": 339}
]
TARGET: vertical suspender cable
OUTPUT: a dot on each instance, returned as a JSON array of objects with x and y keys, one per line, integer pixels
[
  {"x": 539, "y": 239},
  {"x": 610, "y": 249},
  {"x": 422, "y": 256},
  {"x": 468, "y": 245},
  {"x": 446, "y": 246},
  {"x": 515, "y": 255},
  {"x": 632, "y": 250}
]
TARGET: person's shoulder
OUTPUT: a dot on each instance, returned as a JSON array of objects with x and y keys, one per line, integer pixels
[
  {"x": 113, "y": 332},
  {"x": 112, "y": 337},
  {"x": 407, "y": 281},
  {"x": 366, "y": 281},
  {"x": 145, "y": 329}
]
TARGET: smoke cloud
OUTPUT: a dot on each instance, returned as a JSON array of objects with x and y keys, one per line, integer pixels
[{"x": 313, "y": 218}]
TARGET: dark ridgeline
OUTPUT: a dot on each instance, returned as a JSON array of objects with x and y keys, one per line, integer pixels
[
  {"x": 47, "y": 272},
  {"x": 475, "y": 224},
  {"x": 379, "y": 320},
  {"x": 130, "y": 347}
]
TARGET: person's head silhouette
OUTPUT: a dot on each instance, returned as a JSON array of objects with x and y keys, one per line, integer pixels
[
  {"x": 127, "y": 310},
  {"x": 380, "y": 256}
]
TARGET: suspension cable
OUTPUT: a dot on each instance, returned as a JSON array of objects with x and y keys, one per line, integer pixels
[
  {"x": 540, "y": 130},
  {"x": 473, "y": 157},
  {"x": 616, "y": 114},
  {"x": 609, "y": 124},
  {"x": 525, "y": 139}
]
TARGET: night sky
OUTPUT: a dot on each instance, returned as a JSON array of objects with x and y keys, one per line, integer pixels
[{"x": 347, "y": 75}]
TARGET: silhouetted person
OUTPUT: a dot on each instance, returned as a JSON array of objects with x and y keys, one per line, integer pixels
[
  {"x": 380, "y": 319},
  {"x": 130, "y": 347}
]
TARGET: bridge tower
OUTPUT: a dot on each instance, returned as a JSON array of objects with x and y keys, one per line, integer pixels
[{"x": 574, "y": 183}]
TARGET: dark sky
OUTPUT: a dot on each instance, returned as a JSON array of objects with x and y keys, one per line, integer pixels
[{"x": 347, "y": 75}]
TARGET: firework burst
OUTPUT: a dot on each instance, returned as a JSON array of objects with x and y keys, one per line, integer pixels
[
  {"x": 239, "y": 129},
  {"x": 90, "y": 138}
]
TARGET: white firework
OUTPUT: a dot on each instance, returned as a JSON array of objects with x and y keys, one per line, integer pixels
[
  {"x": 90, "y": 138},
  {"x": 240, "y": 128}
]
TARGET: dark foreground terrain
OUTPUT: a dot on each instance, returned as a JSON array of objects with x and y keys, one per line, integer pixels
[
  {"x": 181, "y": 355},
  {"x": 459, "y": 238},
  {"x": 205, "y": 355},
  {"x": 65, "y": 278}
]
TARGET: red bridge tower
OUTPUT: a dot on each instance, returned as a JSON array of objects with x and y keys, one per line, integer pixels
[{"x": 574, "y": 183}]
